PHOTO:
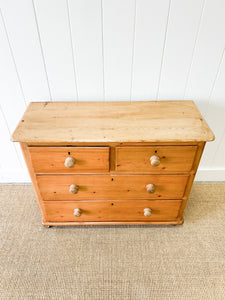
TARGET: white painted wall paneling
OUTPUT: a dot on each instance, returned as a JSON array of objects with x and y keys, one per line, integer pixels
[
  {"x": 12, "y": 98},
  {"x": 8, "y": 150},
  {"x": 54, "y": 28},
  {"x": 118, "y": 37},
  {"x": 86, "y": 34},
  {"x": 10, "y": 168},
  {"x": 13, "y": 104},
  {"x": 149, "y": 38},
  {"x": 23, "y": 36},
  {"x": 183, "y": 25},
  {"x": 214, "y": 153},
  {"x": 207, "y": 54}
]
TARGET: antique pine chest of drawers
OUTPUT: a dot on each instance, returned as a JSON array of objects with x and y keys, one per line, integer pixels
[{"x": 112, "y": 162}]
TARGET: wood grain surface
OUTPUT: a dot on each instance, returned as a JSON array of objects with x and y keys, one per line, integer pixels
[
  {"x": 148, "y": 121},
  {"x": 118, "y": 210},
  {"x": 87, "y": 159},
  {"x": 105, "y": 187},
  {"x": 172, "y": 158}
]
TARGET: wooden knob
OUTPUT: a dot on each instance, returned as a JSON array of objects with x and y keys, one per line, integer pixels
[
  {"x": 69, "y": 162},
  {"x": 150, "y": 188},
  {"x": 154, "y": 160},
  {"x": 147, "y": 212},
  {"x": 77, "y": 212},
  {"x": 74, "y": 189}
]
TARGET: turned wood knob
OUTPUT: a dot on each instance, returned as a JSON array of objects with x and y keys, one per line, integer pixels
[
  {"x": 147, "y": 212},
  {"x": 154, "y": 160},
  {"x": 74, "y": 189},
  {"x": 77, "y": 212},
  {"x": 69, "y": 162},
  {"x": 150, "y": 188}
]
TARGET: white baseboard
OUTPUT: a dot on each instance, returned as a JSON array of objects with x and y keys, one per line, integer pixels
[
  {"x": 14, "y": 176},
  {"x": 22, "y": 176},
  {"x": 210, "y": 175}
]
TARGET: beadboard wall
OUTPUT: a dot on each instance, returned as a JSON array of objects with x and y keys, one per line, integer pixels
[{"x": 109, "y": 50}]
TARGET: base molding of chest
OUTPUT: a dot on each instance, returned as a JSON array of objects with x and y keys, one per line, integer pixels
[{"x": 49, "y": 224}]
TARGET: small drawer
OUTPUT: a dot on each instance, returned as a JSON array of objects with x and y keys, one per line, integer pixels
[
  {"x": 110, "y": 187},
  {"x": 69, "y": 159},
  {"x": 118, "y": 210},
  {"x": 155, "y": 158}
]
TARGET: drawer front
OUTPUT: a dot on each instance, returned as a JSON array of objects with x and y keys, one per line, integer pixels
[
  {"x": 107, "y": 187},
  {"x": 69, "y": 159},
  {"x": 118, "y": 210},
  {"x": 170, "y": 158}
]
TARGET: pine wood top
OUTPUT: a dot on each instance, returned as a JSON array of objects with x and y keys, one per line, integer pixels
[{"x": 141, "y": 121}]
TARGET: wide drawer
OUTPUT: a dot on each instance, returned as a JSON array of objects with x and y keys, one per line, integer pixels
[
  {"x": 155, "y": 158},
  {"x": 106, "y": 187},
  {"x": 69, "y": 159},
  {"x": 118, "y": 210}
]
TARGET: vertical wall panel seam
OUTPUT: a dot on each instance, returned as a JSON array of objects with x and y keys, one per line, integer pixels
[
  {"x": 1, "y": 109},
  {"x": 218, "y": 147},
  {"x": 133, "y": 50},
  {"x": 103, "y": 56},
  {"x": 194, "y": 47},
  {"x": 42, "y": 51},
  {"x": 13, "y": 58},
  {"x": 72, "y": 49},
  {"x": 163, "y": 50},
  {"x": 7, "y": 125},
  {"x": 210, "y": 96},
  {"x": 215, "y": 79}
]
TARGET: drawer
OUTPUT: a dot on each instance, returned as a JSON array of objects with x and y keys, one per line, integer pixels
[
  {"x": 69, "y": 159},
  {"x": 107, "y": 187},
  {"x": 118, "y": 210},
  {"x": 155, "y": 158}
]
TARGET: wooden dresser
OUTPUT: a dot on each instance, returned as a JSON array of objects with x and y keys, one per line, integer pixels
[{"x": 112, "y": 162}]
